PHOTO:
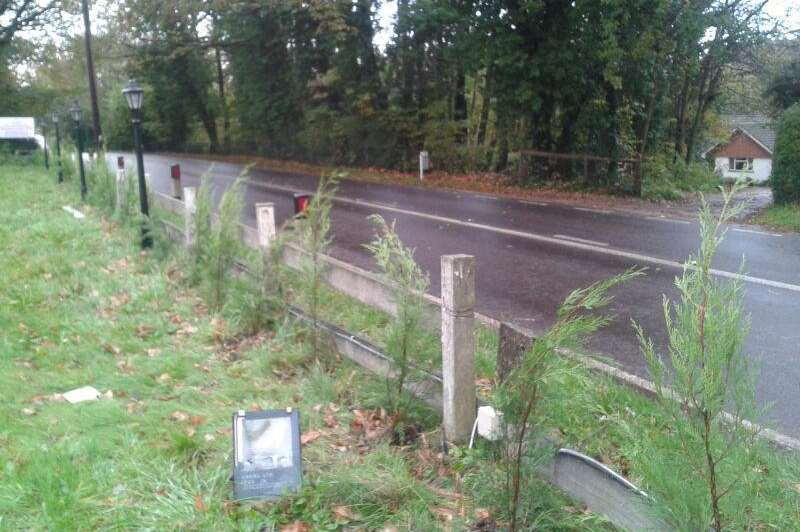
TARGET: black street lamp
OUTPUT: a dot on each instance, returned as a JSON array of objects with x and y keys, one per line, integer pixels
[
  {"x": 75, "y": 111},
  {"x": 58, "y": 148},
  {"x": 44, "y": 145},
  {"x": 134, "y": 95}
]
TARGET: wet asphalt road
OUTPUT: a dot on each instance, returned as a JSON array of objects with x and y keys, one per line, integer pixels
[{"x": 530, "y": 255}]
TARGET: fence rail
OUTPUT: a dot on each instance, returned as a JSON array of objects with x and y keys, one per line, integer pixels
[
  {"x": 587, "y": 481},
  {"x": 589, "y": 168}
]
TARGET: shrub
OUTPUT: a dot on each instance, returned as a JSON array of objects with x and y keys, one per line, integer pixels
[
  {"x": 664, "y": 179},
  {"x": 785, "y": 178},
  {"x": 409, "y": 283},
  {"x": 313, "y": 235},
  {"x": 706, "y": 331},
  {"x": 521, "y": 394},
  {"x": 216, "y": 245},
  {"x": 102, "y": 185}
]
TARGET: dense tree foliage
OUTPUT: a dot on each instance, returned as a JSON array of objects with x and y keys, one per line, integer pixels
[
  {"x": 786, "y": 159},
  {"x": 472, "y": 81}
]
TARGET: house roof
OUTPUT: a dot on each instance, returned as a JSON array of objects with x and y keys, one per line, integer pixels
[{"x": 758, "y": 126}]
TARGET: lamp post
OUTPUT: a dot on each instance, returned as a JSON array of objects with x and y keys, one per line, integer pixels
[
  {"x": 60, "y": 174},
  {"x": 75, "y": 111},
  {"x": 44, "y": 145},
  {"x": 134, "y": 96}
]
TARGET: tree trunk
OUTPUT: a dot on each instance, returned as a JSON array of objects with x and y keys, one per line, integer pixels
[
  {"x": 486, "y": 100},
  {"x": 226, "y": 122}
]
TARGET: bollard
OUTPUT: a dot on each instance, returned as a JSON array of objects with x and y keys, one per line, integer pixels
[
  {"x": 458, "y": 346},
  {"x": 265, "y": 222},
  {"x": 189, "y": 214},
  {"x": 175, "y": 174}
]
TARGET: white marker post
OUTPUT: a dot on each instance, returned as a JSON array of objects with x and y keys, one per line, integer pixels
[
  {"x": 265, "y": 222},
  {"x": 189, "y": 214},
  {"x": 424, "y": 164}
]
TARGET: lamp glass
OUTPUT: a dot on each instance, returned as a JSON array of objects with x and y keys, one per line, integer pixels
[
  {"x": 134, "y": 95},
  {"x": 75, "y": 111},
  {"x": 55, "y": 118}
]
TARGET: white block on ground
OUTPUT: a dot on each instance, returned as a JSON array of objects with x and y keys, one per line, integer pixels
[
  {"x": 74, "y": 212},
  {"x": 489, "y": 423},
  {"x": 79, "y": 395}
]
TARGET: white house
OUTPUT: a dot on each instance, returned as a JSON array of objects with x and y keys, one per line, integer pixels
[{"x": 748, "y": 153}]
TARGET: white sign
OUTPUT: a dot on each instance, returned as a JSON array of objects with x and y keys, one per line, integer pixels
[{"x": 16, "y": 127}]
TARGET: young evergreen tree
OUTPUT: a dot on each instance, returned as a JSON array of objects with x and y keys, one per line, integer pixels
[
  {"x": 521, "y": 394},
  {"x": 708, "y": 452},
  {"x": 409, "y": 285},
  {"x": 313, "y": 232}
]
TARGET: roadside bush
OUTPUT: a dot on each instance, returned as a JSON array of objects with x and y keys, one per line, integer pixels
[
  {"x": 711, "y": 455},
  {"x": 313, "y": 234},
  {"x": 217, "y": 244},
  {"x": 785, "y": 180},
  {"x": 404, "y": 332},
  {"x": 521, "y": 395},
  {"x": 663, "y": 179},
  {"x": 102, "y": 185}
]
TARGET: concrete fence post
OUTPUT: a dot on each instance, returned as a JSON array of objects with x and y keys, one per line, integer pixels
[
  {"x": 458, "y": 346},
  {"x": 265, "y": 222},
  {"x": 189, "y": 214}
]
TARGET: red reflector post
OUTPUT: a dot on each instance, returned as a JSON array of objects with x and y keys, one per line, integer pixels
[
  {"x": 175, "y": 171},
  {"x": 301, "y": 202}
]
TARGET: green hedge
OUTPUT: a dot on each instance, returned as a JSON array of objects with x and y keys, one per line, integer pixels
[{"x": 786, "y": 159}]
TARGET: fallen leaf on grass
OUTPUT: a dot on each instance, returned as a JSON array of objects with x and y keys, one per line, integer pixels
[
  {"x": 342, "y": 513},
  {"x": 444, "y": 514},
  {"x": 198, "y": 503},
  {"x": 112, "y": 349},
  {"x": 143, "y": 331},
  {"x": 187, "y": 330},
  {"x": 120, "y": 300},
  {"x": 310, "y": 436},
  {"x": 152, "y": 353},
  {"x": 297, "y": 526},
  {"x": 179, "y": 416},
  {"x": 330, "y": 421},
  {"x": 164, "y": 378},
  {"x": 29, "y": 411}
]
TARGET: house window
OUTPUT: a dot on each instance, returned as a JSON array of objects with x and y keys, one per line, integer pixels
[{"x": 740, "y": 165}]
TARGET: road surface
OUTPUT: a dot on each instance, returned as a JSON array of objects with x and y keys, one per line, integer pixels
[{"x": 530, "y": 255}]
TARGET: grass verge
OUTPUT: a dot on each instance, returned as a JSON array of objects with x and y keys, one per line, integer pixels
[
  {"x": 784, "y": 217},
  {"x": 81, "y": 305}
]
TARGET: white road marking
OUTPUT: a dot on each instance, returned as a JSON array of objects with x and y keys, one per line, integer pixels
[
  {"x": 543, "y": 238},
  {"x": 597, "y": 211},
  {"x": 753, "y": 231},
  {"x": 672, "y": 220},
  {"x": 537, "y": 203},
  {"x": 578, "y": 245},
  {"x": 576, "y": 239}
]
